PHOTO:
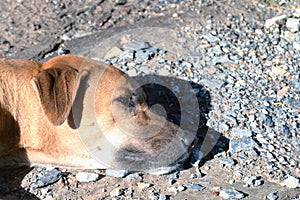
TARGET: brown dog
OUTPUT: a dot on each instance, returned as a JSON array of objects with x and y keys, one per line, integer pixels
[{"x": 75, "y": 112}]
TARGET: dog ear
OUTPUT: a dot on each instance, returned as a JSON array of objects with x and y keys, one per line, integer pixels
[{"x": 56, "y": 88}]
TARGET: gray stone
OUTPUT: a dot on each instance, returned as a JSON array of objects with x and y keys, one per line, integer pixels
[
  {"x": 268, "y": 121},
  {"x": 242, "y": 144},
  {"x": 211, "y": 38},
  {"x": 220, "y": 60},
  {"x": 227, "y": 161},
  {"x": 196, "y": 157},
  {"x": 212, "y": 83},
  {"x": 144, "y": 54},
  {"x": 270, "y": 166},
  {"x": 194, "y": 187},
  {"x": 272, "y": 196},
  {"x": 127, "y": 55},
  {"x": 173, "y": 177},
  {"x": 162, "y": 197},
  {"x": 239, "y": 133},
  {"x": 186, "y": 64},
  {"x": 47, "y": 177},
  {"x": 285, "y": 131},
  {"x": 231, "y": 194}
]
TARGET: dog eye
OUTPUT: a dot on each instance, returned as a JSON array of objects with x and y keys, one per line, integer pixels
[{"x": 127, "y": 101}]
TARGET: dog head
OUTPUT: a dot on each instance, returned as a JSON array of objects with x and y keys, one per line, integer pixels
[{"x": 108, "y": 111}]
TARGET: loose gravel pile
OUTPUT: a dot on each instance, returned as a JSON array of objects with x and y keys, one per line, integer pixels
[{"x": 246, "y": 77}]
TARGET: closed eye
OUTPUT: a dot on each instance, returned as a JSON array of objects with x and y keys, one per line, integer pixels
[
  {"x": 126, "y": 101},
  {"x": 129, "y": 102}
]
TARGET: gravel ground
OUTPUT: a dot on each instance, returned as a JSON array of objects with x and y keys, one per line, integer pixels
[{"x": 242, "y": 61}]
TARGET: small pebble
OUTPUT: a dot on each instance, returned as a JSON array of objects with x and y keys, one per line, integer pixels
[
  {"x": 231, "y": 194},
  {"x": 180, "y": 188},
  {"x": 242, "y": 144},
  {"x": 142, "y": 185},
  {"x": 272, "y": 196},
  {"x": 227, "y": 161},
  {"x": 162, "y": 197},
  {"x": 116, "y": 192},
  {"x": 194, "y": 187},
  {"x": 239, "y": 133},
  {"x": 63, "y": 51}
]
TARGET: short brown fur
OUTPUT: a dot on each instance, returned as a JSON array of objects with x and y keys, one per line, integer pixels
[{"x": 38, "y": 124}]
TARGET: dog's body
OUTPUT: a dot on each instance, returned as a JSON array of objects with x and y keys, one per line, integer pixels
[
  {"x": 76, "y": 112},
  {"x": 24, "y": 126}
]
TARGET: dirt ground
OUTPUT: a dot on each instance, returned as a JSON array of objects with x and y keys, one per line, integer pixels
[
  {"x": 31, "y": 29},
  {"x": 38, "y": 31}
]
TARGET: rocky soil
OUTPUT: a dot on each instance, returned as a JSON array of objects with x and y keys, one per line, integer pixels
[{"x": 241, "y": 60}]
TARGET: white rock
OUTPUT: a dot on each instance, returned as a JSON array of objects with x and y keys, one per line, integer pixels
[
  {"x": 296, "y": 46},
  {"x": 87, "y": 176},
  {"x": 44, "y": 191},
  {"x": 291, "y": 182},
  {"x": 273, "y": 20},
  {"x": 293, "y": 24}
]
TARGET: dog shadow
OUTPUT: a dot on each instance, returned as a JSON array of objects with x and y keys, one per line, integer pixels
[
  {"x": 12, "y": 176},
  {"x": 186, "y": 104},
  {"x": 10, "y": 184}
]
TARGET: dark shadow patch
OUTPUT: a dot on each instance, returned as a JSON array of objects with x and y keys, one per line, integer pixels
[
  {"x": 11, "y": 177},
  {"x": 75, "y": 116},
  {"x": 210, "y": 142},
  {"x": 10, "y": 181}
]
